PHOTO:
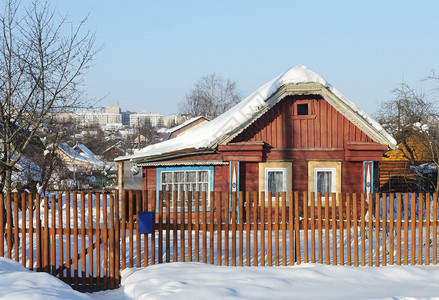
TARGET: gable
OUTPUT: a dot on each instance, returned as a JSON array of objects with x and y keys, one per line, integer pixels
[{"x": 303, "y": 121}]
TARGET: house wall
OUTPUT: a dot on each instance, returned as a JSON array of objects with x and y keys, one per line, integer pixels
[
  {"x": 322, "y": 135},
  {"x": 324, "y": 127},
  {"x": 319, "y": 136}
]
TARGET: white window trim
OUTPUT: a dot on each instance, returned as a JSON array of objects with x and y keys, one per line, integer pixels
[
  {"x": 284, "y": 180},
  {"x": 333, "y": 180}
]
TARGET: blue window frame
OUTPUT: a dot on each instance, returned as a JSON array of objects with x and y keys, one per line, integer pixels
[{"x": 194, "y": 179}]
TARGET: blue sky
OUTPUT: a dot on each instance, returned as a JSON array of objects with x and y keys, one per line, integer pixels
[{"x": 154, "y": 51}]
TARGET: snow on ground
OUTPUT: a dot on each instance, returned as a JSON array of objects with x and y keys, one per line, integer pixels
[
  {"x": 204, "y": 281},
  {"x": 16, "y": 282}
]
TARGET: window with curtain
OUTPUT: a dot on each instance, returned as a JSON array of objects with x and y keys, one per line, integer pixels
[
  {"x": 275, "y": 181},
  {"x": 324, "y": 181}
]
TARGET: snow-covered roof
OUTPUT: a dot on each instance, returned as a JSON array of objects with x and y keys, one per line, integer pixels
[
  {"x": 222, "y": 129},
  {"x": 86, "y": 156},
  {"x": 84, "y": 150},
  {"x": 171, "y": 130}
]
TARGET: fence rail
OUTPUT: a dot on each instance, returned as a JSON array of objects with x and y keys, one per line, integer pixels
[{"x": 86, "y": 238}]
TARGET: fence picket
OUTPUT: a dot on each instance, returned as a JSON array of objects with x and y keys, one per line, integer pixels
[
  {"x": 218, "y": 228},
  {"x": 226, "y": 228},
  {"x": 284, "y": 231},
  {"x": 83, "y": 253},
  {"x": 60, "y": 237},
  {"x": 16, "y": 227},
  {"x": 327, "y": 257},
  {"x": 398, "y": 230},
  {"x": 334, "y": 230},
  {"x": 175, "y": 226},
  {"x": 340, "y": 227},
  {"x": 182, "y": 221},
  {"x": 413, "y": 230},
  {"x": 276, "y": 230},
  {"x": 291, "y": 227},
  {"x": 427, "y": 228},
  {"x": 197, "y": 226},
  {"x": 377, "y": 230},
  {"x": 204, "y": 217},
  {"x": 297, "y": 227},
  {"x": 270, "y": 238},
  {"x": 420, "y": 227},
  {"x": 348, "y": 230},
  {"x": 391, "y": 228},
  {"x": 435, "y": 212},
  {"x": 363, "y": 230},
  {"x": 319, "y": 225},
  {"x": 370, "y": 229},
  {"x": 189, "y": 229},
  {"x": 234, "y": 229},
  {"x": 255, "y": 229},
  {"x": 406, "y": 229},
  {"x": 2, "y": 228},
  {"x": 68, "y": 265},
  {"x": 138, "y": 235},
  {"x": 313, "y": 228},
  {"x": 384, "y": 230},
  {"x": 211, "y": 232},
  {"x": 305, "y": 228},
  {"x": 23, "y": 230},
  {"x": 355, "y": 216}
]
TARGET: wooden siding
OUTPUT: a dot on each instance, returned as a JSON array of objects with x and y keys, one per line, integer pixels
[
  {"x": 324, "y": 127},
  {"x": 396, "y": 176}
]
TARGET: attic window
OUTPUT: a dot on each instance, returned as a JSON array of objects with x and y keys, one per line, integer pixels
[{"x": 302, "y": 109}]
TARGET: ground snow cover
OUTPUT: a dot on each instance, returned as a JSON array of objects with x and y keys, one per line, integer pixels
[
  {"x": 306, "y": 281},
  {"x": 203, "y": 281},
  {"x": 17, "y": 282}
]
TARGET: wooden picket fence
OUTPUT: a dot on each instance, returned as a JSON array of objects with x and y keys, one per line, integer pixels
[
  {"x": 64, "y": 235},
  {"x": 85, "y": 239},
  {"x": 241, "y": 230}
]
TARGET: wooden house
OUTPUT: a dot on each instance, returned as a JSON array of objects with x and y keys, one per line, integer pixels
[{"x": 295, "y": 133}]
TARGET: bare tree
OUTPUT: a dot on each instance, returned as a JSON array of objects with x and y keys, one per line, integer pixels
[
  {"x": 210, "y": 97},
  {"x": 42, "y": 62},
  {"x": 413, "y": 121}
]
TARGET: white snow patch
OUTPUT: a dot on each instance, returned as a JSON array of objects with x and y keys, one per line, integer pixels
[
  {"x": 306, "y": 281},
  {"x": 16, "y": 282}
]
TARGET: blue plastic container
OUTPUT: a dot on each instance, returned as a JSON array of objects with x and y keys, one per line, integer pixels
[{"x": 146, "y": 222}]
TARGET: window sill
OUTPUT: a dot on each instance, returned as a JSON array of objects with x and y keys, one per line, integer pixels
[{"x": 307, "y": 117}]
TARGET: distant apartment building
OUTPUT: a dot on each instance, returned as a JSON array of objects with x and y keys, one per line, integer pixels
[
  {"x": 88, "y": 118},
  {"x": 112, "y": 117},
  {"x": 156, "y": 120}
]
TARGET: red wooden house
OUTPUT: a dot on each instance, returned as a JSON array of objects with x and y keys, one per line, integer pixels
[{"x": 295, "y": 133}]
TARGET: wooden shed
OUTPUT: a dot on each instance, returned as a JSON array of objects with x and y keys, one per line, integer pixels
[{"x": 295, "y": 133}]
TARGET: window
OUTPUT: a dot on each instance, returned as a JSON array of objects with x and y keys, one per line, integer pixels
[
  {"x": 302, "y": 109},
  {"x": 185, "y": 179},
  {"x": 324, "y": 177},
  {"x": 275, "y": 181},
  {"x": 324, "y": 181}
]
